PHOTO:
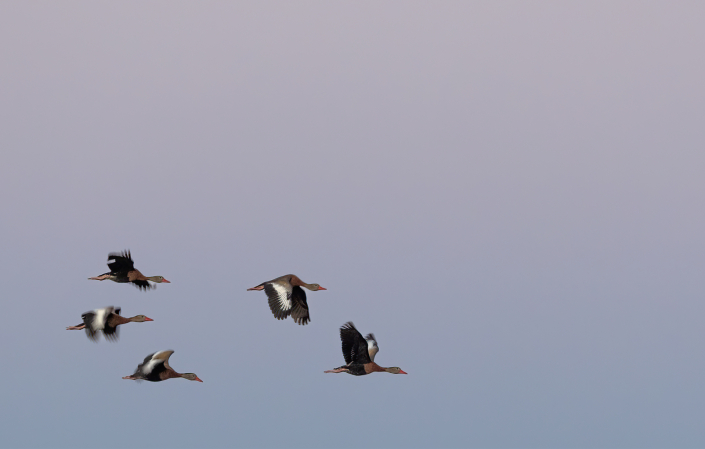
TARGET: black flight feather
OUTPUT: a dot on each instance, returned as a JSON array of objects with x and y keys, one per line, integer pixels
[{"x": 299, "y": 310}]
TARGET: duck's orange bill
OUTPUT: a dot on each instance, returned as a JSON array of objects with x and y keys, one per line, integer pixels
[
  {"x": 164, "y": 281},
  {"x": 402, "y": 372}
]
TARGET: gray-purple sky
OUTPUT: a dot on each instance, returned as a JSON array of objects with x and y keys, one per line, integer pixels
[{"x": 510, "y": 195}]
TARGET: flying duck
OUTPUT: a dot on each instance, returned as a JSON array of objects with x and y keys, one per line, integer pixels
[
  {"x": 155, "y": 368},
  {"x": 286, "y": 297},
  {"x": 107, "y": 320},
  {"x": 122, "y": 269},
  {"x": 358, "y": 357}
]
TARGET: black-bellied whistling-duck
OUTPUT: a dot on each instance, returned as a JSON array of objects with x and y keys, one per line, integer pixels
[
  {"x": 107, "y": 320},
  {"x": 122, "y": 269},
  {"x": 357, "y": 355},
  {"x": 155, "y": 368},
  {"x": 286, "y": 297}
]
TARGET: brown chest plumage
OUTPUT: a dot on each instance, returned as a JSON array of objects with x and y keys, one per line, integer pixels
[{"x": 372, "y": 367}]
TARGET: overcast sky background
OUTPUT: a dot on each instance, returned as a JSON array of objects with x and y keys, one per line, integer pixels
[{"x": 508, "y": 194}]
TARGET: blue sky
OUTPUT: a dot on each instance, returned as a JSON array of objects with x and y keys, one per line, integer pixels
[{"x": 508, "y": 194}]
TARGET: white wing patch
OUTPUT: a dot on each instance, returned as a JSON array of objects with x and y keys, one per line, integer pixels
[
  {"x": 284, "y": 296},
  {"x": 153, "y": 362},
  {"x": 101, "y": 315},
  {"x": 149, "y": 366},
  {"x": 372, "y": 349}
]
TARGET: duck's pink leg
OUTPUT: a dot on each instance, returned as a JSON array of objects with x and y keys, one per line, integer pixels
[
  {"x": 259, "y": 287},
  {"x": 76, "y": 328},
  {"x": 337, "y": 370},
  {"x": 130, "y": 378},
  {"x": 102, "y": 277}
]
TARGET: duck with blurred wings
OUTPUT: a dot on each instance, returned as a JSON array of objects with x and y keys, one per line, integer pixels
[{"x": 106, "y": 320}]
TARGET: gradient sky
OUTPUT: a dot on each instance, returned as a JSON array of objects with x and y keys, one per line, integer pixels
[{"x": 508, "y": 194}]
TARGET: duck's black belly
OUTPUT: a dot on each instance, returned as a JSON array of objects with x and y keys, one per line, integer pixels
[
  {"x": 356, "y": 369},
  {"x": 120, "y": 277}
]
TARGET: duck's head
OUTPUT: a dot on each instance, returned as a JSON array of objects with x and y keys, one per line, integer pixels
[
  {"x": 191, "y": 376},
  {"x": 159, "y": 280}
]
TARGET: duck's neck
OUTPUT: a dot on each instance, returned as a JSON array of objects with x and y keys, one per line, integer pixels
[
  {"x": 117, "y": 319},
  {"x": 372, "y": 367},
  {"x": 171, "y": 374}
]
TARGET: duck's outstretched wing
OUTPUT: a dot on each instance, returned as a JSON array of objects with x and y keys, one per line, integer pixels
[
  {"x": 111, "y": 333},
  {"x": 96, "y": 320},
  {"x": 120, "y": 262},
  {"x": 153, "y": 365},
  {"x": 299, "y": 310},
  {"x": 354, "y": 346},
  {"x": 88, "y": 319},
  {"x": 279, "y": 295}
]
